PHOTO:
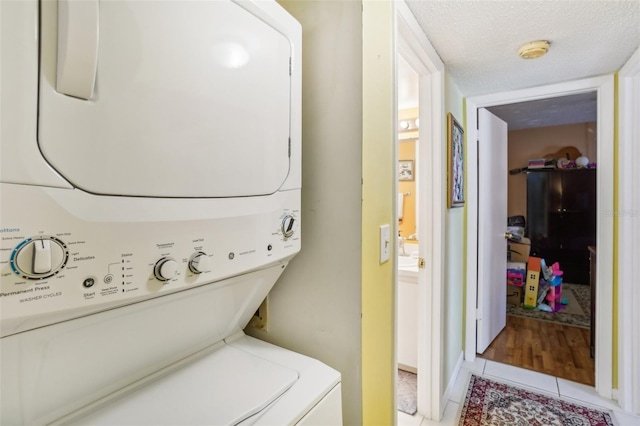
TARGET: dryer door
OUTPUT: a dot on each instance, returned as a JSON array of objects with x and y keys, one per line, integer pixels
[{"x": 164, "y": 98}]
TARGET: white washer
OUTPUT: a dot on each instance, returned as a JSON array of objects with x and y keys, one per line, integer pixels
[{"x": 150, "y": 181}]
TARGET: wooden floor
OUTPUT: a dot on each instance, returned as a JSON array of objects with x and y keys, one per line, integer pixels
[{"x": 555, "y": 349}]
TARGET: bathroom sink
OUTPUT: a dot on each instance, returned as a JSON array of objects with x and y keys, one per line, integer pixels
[{"x": 407, "y": 261}]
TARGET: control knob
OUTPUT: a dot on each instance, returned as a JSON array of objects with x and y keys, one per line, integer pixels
[
  {"x": 39, "y": 257},
  {"x": 166, "y": 269},
  {"x": 199, "y": 263},
  {"x": 287, "y": 226}
]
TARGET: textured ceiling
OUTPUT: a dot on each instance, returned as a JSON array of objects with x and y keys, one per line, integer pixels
[
  {"x": 581, "y": 108},
  {"x": 478, "y": 40}
]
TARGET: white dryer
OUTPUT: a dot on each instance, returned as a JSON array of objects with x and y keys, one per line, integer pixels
[{"x": 150, "y": 198}]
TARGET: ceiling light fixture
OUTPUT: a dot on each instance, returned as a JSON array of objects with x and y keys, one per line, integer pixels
[{"x": 533, "y": 49}]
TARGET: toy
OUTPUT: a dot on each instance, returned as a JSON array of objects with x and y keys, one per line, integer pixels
[
  {"x": 545, "y": 308},
  {"x": 531, "y": 287},
  {"x": 543, "y": 289},
  {"x": 552, "y": 274},
  {"x": 553, "y": 298},
  {"x": 515, "y": 278},
  {"x": 547, "y": 272}
]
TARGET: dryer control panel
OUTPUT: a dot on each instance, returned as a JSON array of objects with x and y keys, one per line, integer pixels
[{"x": 90, "y": 253}]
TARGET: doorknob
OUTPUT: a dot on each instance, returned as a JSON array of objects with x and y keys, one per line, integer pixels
[{"x": 508, "y": 235}]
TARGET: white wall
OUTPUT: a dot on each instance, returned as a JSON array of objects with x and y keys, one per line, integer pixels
[
  {"x": 454, "y": 264},
  {"x": 315, "y": 307}
]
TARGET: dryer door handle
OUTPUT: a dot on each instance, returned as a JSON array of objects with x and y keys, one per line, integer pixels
[{"x": 77, "y": 47}]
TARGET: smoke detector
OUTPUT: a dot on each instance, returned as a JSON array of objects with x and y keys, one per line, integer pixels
[{"x": 533, "y": 49}]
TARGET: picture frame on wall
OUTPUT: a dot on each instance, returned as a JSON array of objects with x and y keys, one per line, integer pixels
[
  {"x": 455, "y": 163},
  {"x": 405, "y": 170}
]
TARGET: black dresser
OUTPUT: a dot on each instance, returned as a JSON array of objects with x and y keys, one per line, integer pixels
[{"x": 561, "y": 219}]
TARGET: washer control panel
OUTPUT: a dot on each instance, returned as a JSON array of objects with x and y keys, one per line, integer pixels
[
  {"x": 199, "y": 262},
  {"x": 58, "y": 266},
  {"x": 166, "y": 269},
  {"x": 39, "y": 258},
  {"x": 289, "y": 225}
]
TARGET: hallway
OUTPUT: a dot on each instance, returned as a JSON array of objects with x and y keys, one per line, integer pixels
[{"x": 531, "y": 380}]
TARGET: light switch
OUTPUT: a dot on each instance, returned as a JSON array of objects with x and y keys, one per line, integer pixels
[{"x": 385, "y": 243}]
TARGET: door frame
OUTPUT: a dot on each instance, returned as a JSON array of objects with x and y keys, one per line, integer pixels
[
  {"x": 628, "y": 216},
  {"x": 605, "y": 148},
  {"x": 413, "y": 45}
]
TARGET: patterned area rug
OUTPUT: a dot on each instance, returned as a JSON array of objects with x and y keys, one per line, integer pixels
[
  {"x": 579, "y": 317},
  {"x": 407, "y": 398},
  {"x": 492, "y": 404}
]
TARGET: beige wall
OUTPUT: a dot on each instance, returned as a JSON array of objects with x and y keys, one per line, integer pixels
[
  {"x": 315, "y": 307},
  {"x": 336, "y": 302},
  {"x": 536, "y": 143}
]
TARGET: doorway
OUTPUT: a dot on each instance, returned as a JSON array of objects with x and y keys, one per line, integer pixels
[
  {"x": 408, "y": 243},
  {"x": 603, "y": 86},
  {"x": 414, "y": 47},
  {"x": 552, "y": 210}
]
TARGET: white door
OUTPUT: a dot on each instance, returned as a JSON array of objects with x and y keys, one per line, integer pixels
[{"x": 492, "y": 223}]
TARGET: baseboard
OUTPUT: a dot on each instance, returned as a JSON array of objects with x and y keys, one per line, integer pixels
[
  {"x": 407, "y": 368},
  {"x": 452, "y": 383}
]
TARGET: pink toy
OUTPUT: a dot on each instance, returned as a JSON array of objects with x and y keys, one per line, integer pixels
[
  {"x": 554, "y": 275},
  {"x": 515, "y": 278},
  {"x": 554, "y": 295}
]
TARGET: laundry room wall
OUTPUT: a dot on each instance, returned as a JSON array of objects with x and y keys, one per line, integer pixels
[{"x": 315, "y": 307}]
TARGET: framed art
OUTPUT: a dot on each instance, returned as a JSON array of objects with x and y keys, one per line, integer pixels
[
  {"x": 405, "y": 170},
  {"x": 455, "y": 163}
]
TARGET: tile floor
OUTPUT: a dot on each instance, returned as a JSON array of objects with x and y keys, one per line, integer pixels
[{"x": 537, "y": 382}]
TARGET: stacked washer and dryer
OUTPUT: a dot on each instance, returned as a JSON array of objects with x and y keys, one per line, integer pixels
[{"x": 150, "y": 199}]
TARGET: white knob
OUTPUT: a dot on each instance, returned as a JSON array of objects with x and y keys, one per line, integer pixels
[
  {"x": 39, "y": 258},
  {"x": 199, "y": 263},
  {"x": 287, "y": 226},
  {"x": 166, "y": 268}
]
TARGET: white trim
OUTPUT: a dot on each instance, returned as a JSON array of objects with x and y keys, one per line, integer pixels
[
  {"x": 604, "y": 86},
  {"x": 422, "y": 57},
  {"x": 452, "y": 382},
  {"x": 629, "y": 231},
  {"x": 616, "y": 395},
  {"x": 471, "y": 308}
]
